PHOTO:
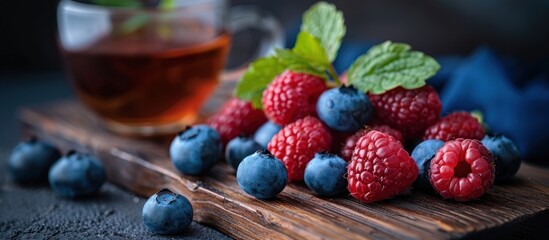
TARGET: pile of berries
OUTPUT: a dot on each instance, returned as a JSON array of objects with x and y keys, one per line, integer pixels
[
  {"x": 292, "y": 119},
  {"x": 369, "y": 159}
]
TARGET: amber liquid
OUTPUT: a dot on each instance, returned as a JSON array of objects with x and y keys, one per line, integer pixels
[{"x": 139, "y": 83}]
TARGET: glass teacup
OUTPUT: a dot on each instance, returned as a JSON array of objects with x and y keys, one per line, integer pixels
[{"x": 148, "y": 70}]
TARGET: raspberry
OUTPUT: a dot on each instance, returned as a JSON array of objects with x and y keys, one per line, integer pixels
[
  {"x": 391, "y": 131},
  {"x": 297, "y": 143},
  {"x": 291, "y": 96},
  {"x": 236, "y": 117},
  {"x": 462, "y": 169},
  {"x": 350, "y": 143},
  {"x": 410, "y": 111},
  {"x": 338, "y": 141},
  {"x": 455, "y": 125},
  {"x": 380, "y": 168},
  {"x": 376, "y": 120}
]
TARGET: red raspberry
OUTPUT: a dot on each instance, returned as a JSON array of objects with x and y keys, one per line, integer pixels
[
  {"x": 376, "y": 120},
  {"x": 350, "y": 144},
  {"x": 338, "y": 139},
  {"x": 291, "y": 96},
  {"x": 391, "y": 131},
  {"x": 380, "y": 168},
  {"x": 410, "y": 111},
  {"x": 236, "y": 117},
  {"x": 297, "y": 143},
  {"x": 455, "y": 125},
  {"x": 462, "y": 169}
]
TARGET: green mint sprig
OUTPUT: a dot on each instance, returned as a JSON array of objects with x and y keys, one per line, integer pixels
[
  {"x": 382, "y": 68},
  {"x": 390, "y": 65},
  {"x": 315, "y": 48},
  {"x": 307, "y": 56},
  {"x": 324, "y": 22}
]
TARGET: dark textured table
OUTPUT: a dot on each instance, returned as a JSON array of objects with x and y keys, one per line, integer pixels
[{"x": 31, "y": 212}]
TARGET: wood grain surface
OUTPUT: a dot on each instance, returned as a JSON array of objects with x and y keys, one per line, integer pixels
[{"x": 144, "y": 167}]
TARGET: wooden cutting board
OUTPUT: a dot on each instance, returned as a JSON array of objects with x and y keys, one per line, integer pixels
[{"x": 517, "y": 209}]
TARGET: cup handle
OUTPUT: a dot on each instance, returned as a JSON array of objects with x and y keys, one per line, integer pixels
[{"x": 248, "y": 16}]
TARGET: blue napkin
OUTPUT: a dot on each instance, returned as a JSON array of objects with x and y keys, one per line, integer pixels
[{"x": 512, "y": 105}]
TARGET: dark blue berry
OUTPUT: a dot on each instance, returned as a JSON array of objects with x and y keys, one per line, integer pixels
[
  {"x": 264, "y": 134},
  {"x": 324, "y": 175},
  {"x": 167, "y": 213},
  {"x": 30, "y": 161},
  {"x": 262, "y": 175},
  {"x": 195, "y": 150},
  {"x": 239, "y": 148},
  {"x": 344, "y": 109},
  {"x": 506, "y": 156},
  {"x": 422, "y": 155},
  {"x": 77, "y": 175}
]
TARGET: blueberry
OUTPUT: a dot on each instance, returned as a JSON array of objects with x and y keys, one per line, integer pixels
[
  {"x": 30, "y": 161},
  {"x": 262, "y": 175},
  {"x": 167, "y": 213},
  {"x": 423, "y": 154},
  {"x": 264, "y": 134},
  {"x": 324, "y": 175},
  {"x": 506, "y": 156},
  {"x": 195, "y": 150},
  {"x": 344, "y": 109},
  {"x": 239, "y": 148},
  {"x": 76, "y": 175}
]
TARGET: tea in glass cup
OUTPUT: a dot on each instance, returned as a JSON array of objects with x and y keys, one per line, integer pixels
[{"x": 145, "y": 70}]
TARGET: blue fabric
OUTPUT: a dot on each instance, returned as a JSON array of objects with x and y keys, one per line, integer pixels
[
  {"x": 448, "y": 65},
  {"x": 515, "y": 107}
]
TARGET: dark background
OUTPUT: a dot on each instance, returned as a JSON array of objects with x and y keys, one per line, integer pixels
[
  {"x": 31, "y": 72},
  {"x": 438, "y": 27}
]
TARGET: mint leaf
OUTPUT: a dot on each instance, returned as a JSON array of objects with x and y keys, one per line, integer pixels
[
  {"x": 312, "y": 58},
  {"x": 166, "y": 4},
  {"x": 297, "y": 63},
  {"x": 309, "y": 47},
  {"x": 259, "y": 74},
  {"x": 390, "y": 65},
  {"x": 324, "y": 22}
]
